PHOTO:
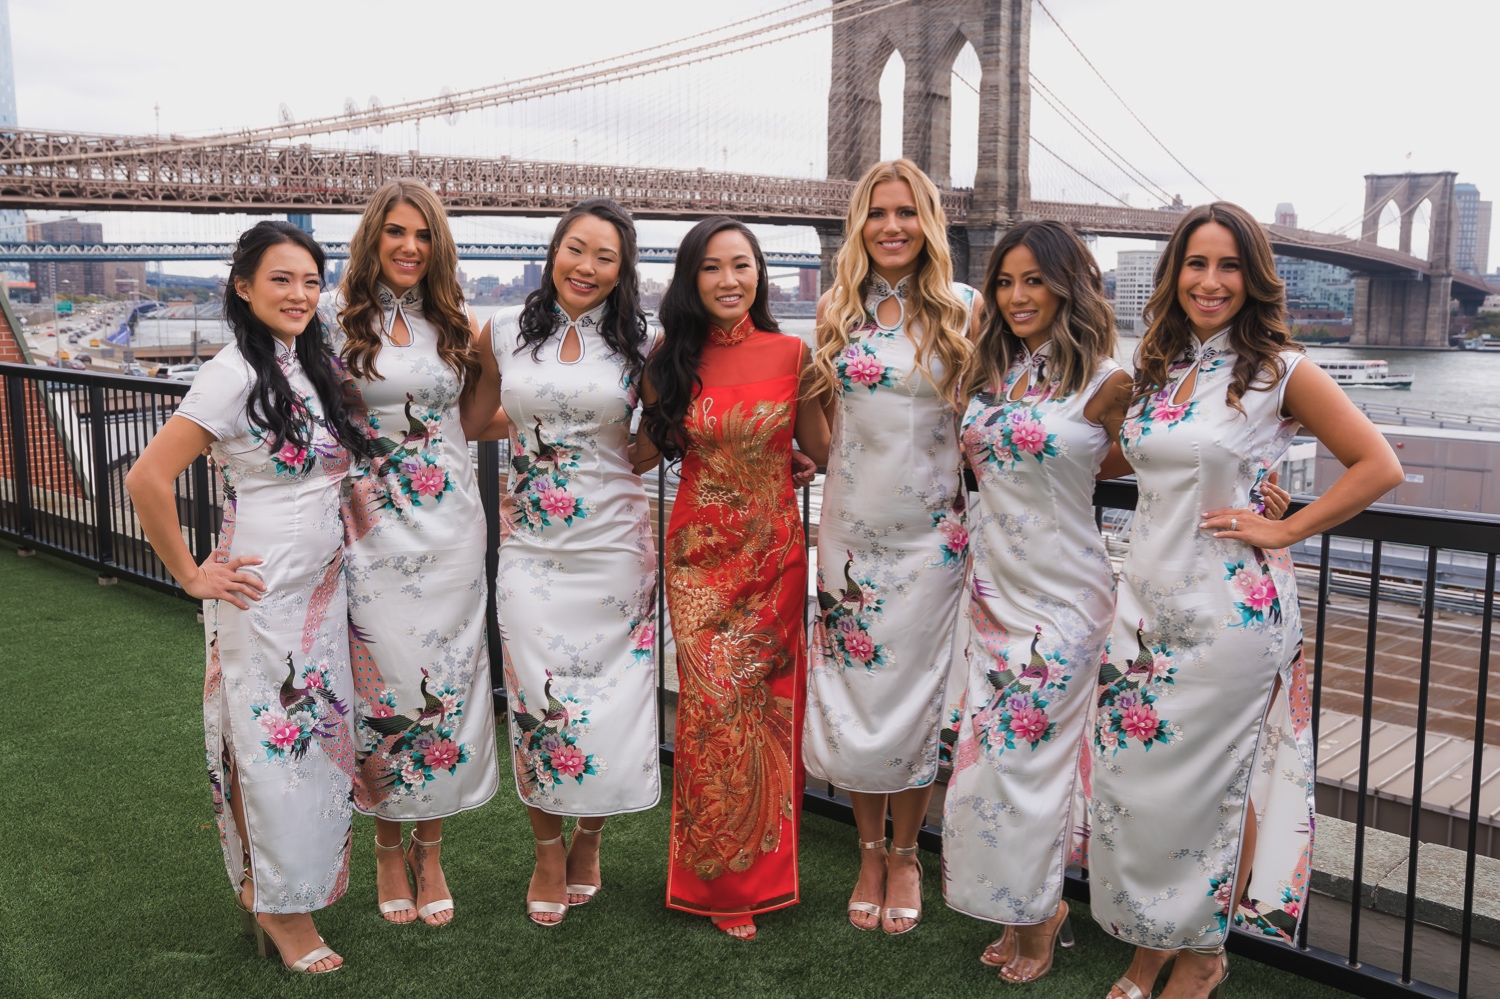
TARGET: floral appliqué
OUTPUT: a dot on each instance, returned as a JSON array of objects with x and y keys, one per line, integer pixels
[
  {"x": 1017, "y": 710},
  {"x": 1127, "y": 699},
  {"x": 300, "y": 712},
  {"x": 541, "y": 486},
  {"x": 546, "y": 745},
  {"x": 848, "y": 616},
  {"x": 425, "y": 744}
]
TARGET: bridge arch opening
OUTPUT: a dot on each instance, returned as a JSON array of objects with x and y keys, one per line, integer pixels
[
  {"x": 1421, "y": 230},
  {"x": 892, "y": 105},
  {"x": 967, "y": 74},
  {"x": 1389, "y": 233}
]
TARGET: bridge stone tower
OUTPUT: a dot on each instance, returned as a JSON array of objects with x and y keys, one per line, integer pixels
[
  {"x": 930, "y": 34},
  {"x": 1409, "y": 310}
]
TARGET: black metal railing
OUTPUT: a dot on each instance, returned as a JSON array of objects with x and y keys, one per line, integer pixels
[{"x": 69, "y": 438}]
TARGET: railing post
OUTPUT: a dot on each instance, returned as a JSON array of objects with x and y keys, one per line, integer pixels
[
  {"x": 104, "y": 522},
  {"x": 15, "y": 403},
  {"x": 202, "y": 513}
]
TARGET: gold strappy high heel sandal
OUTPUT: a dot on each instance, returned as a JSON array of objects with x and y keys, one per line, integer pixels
[
  {"x": 559, "y": 909},
  {"x": 1133, "y": 991},
  {"x": 396, "y": 904},
  {"x": 1217, "y": 991},
  {"x": 867, "y": 908},
  {"x": 265, "y": 944},
  {"x": 431, "y": 908},
  {"x": 587, "y": 891},
  {"x": 900, "y": 912}
]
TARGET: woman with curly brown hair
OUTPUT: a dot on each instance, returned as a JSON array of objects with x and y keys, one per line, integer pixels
[
  {"x": 415, "y": 538},
  {"x": 1202, "y": 770}
]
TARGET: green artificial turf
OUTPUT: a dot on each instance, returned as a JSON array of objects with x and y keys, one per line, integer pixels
[{"x": 112, "y": 882}]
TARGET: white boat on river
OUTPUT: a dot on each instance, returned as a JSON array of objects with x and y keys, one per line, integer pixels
[{"x": 1365, "y": 374}]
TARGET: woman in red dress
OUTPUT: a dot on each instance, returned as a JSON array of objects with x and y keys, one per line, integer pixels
[{"x": 726, "y": 394}]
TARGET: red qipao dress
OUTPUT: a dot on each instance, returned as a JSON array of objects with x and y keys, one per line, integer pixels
[{"x": 736, "y": 579}]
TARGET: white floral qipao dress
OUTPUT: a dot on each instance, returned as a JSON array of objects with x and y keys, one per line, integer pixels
[
  {"x": 892, "y": 549},
  {"x": 1203, "y": 628},
  {"x": 277, "y": 696},
  {"x": 1041, "y": 603},
  {"x": 577, "y": 578},
  {"x": 415, "y": 536}
]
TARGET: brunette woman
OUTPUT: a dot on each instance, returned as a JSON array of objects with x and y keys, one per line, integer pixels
[
  {"x": 277, "y": 695},
  {"x": 415, "y": 535},
  {"x": 577, "y": 574},
  {"x": 892, "y": 544},
  {"x": 726, "y": 394},
  {"x": 1203, "y": 750}
]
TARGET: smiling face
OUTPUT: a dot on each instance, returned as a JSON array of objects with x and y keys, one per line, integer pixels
[
  {"x": 284, "y": 292},
  {"x": 727, "y": 277},
  {"x": 1028, "y": 305},
  {"x": 892, "y": 232},
  {"x": 405, "y": 247},
  {"x": 1211, "y": 284},
  {"x": 587, "y": 266}
]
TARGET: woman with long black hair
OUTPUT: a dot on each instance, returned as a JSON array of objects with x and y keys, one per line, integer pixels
[
  {"x": 577, "y": 562},
  {"x": 726, "y": 394},
  {"x": 278, "y": 690}
]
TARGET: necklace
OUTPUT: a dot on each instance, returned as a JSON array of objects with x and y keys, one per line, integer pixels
[{"x": 741, "y": 330}]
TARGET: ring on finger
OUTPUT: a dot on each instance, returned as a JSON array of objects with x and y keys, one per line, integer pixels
[{"x": 1234, "y": 523}]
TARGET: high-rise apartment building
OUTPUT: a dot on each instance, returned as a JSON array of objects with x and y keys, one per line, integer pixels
[
  {"x": 1314, "y": 285},
  {"x": 1286, "y": 215},
  {"x": 1135, "y": 279},
  {"x": 73, "y": 277},
  {"x": 1471, "y": 244}
]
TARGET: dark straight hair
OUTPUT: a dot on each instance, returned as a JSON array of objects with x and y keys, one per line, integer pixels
[
  {"x": 273, "y": 406},
  {"x": 672, "y": 369},
  {"x": 624, "y": 325}
]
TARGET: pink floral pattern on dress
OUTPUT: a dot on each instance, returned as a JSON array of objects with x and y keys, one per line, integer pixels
[
  {"x": 300, "y": 712},
  {"x": 1017, "y": 710},
  {"x": 417, "y": 744},
  {"x": 1011, "y": 432},
  {"x": 1127, "y": 699},
  {"x": 546, "y": 747},
  {"x": 859, "y": 367},
  {"x": 847, "y": 617},
  {"x": 541, "y": 486},
  {"x": 1255, "y": 591}
]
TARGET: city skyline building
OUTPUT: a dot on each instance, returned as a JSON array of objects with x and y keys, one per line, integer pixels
[
  {"x": 1135, "y": 279},
  {"x": 1471, "y": 243},
  {"x": 1314, "y": 285},
  {"x": 69, "y": 278}
]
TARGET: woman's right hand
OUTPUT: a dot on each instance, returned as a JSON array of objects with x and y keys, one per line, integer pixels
[{"x": 217, "y": 580}]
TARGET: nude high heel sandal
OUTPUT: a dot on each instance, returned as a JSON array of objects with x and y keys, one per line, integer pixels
[
  {"x": 395, "y": 904},
  {"x": 900, "y": 912},
  {"x": 867, "y": 908},
  {"x": 587, "y": 891},
  {"x": 442, "y": 904},
  {"x": 533, "y": 909}
]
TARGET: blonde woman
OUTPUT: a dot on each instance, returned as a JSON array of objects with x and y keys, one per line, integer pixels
[
  {"x": 892, "y": 544},
  {"x": 415, "y": 537}
]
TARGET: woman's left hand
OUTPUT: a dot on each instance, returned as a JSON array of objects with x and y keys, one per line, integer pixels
[
  {"x": 804, "y": 469},
  {"x": 1247, "y": 526}
]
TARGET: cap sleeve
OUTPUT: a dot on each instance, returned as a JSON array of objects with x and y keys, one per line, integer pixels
[
  {"x": 504, "y": 329},
  {"x": 218, "y": 398},
  {"x": 1291, "y": 358}
]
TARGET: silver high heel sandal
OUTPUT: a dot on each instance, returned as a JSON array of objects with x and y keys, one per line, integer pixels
[
  {"x": 533, "y": 909},
  {"x": 441, "y": 904},
  {"x": 395, "y": 904},
  {"x": 265, "y": 944},
  {"x": 587, "y": 891},
  {"x": 867, "y": 908},
  {"x": 900, "y": 912},
  {"x": 1218, "y": 989},
  {"x": 1133, "y": 991}
]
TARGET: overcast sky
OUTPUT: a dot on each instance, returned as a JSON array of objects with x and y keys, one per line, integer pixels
[{"x": 1281, "y": 100}]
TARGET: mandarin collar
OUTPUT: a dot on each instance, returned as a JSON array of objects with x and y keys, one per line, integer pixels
[
  {"x": 1208, "y": 349},
  {"x": 589, "y": 320},
  {"x": 728, "y": 338},
  {"x": 879, "y": 289},
  {"x": 1035, "y": 359},
  {"x": 391, "y": 304}
]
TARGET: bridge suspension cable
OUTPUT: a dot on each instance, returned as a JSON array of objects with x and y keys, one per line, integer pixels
[
  {"x": 1123, "y": 104},
  {"x": 1082, "y": 127},
  {"x": 527, "y": 88}
]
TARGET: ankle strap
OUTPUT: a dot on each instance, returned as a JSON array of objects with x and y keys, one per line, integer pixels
[
  {"x": 1206, "y": 951},
  {"x": 381, "y": 846},
  {"x": 579, "y": 827},
  {"x": 905, "y": 851},
  {"x": 423, "y": 842},
  {"x": 874, "y": 844},
  {"x": 549, "y": 842}
]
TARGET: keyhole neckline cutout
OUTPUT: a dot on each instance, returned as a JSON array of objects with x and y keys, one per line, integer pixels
[
  {"x": 1031, "y": 373},
  {"x": 572, "y": 331},
  {"x": 880, "y": 290},
  {"x": 393, "y": 307},
  {"x": 1197, "y": 352}
]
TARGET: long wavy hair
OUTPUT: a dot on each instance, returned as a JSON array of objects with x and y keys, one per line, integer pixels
[
  {"x": 672, "y": 369},
  {"x": 624, "y": 325},
  {"x": 1258, "y": 332},
  {"x": 442, "y": 298},
  {"x": 273, "y": 406},
  {"x": 938, "y": 312},
  {"x": 1083, "y": 333}
]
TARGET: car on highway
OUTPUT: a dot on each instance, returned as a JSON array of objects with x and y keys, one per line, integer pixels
[
  {"x": 133, "y": 369},
  {"x": 178, "y": 372}
]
